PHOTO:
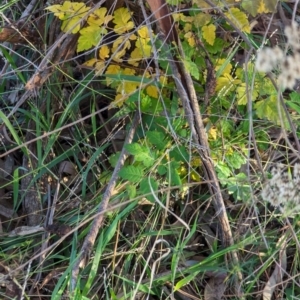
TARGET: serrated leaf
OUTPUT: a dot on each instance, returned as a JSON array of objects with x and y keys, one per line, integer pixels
[
  {"x": 98, "y": 17},
  {"x": 132, "y": 173},
  {"x": 241, "y": 94},
  {"x": 141, "y": 153},
  {"x": 270, "y": 5},
  {"x": 71, "y": 13},
  {"x": 122, "y": 22},
  {"x": 201, "y": 19},
  {"x": 143, "y": 32},
  {"x": 267, "y": 109},
  {"x": 180, "y": 154},
  {"x": 192, "y": 68},
  {"x": 152, "y": 91},
  {"x": 134, "y": 148},
  {"x": 131, "y": 190},
  {"x": 239, "y": 18},
  {"x": 157, "y": 139},
  {"x": 113, "y": 159},
  {"x": 236, "y": 160},
  {"x": 112, "y": 69},
  {"x": 89, "y": 36},
  {"x": 104, "y": 52},
  {"x": 251, "y": 7},
  {"x": 190, "y": 37},
  {"x": 209, "y": 33},
  {"x": 217, "y": 46},
  {"x": 223, "y": 66}
]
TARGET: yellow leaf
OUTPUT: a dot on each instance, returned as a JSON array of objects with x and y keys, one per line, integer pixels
[
  {"x": 100, "y": 67},
  {"x": 117, "y": 56},
  {"x": 241, "y": 94},
  {"x": 91, "y": 62},
  {"x": 128, "y": 71},
  {"x": 209, "y": 33},
  {"x": 56, "y": 9},
  {"x": 239, "y": 18},
  {"x": 143, "y": 45},
  {"x": 187, "y": 27},
  {"x": 72, "y": 24},
  {"x": 127, "y": 87},
  {"x": 133, "y": 37},
  {"x": 104, "y": 52},
  {"x": 119, "y": 100},
  {"x": 69, "y": 9},
  {"x": 226, "y": 82},
  {"x": 143, "y": 50},
  {"x": 195, "y": 176},
  {"x": 221, "y": 65},
  {"x": 71, "y": 13},
  {"x": 120, "y": 45},
  {"x": 112, "y": 70},
  {"x": 98, "y": 17},
  {"x": 188, "y": 19},
  {"x": 176, "y": 16},
  {"x": 190, "y": 38},
  {"x": 201, "y": 19},
  {"x": 262, "y": 8},
  {"x": 121, "y": 20},
  {"x": 121, "y": 40},
  {"x": 143, "y": 32},
  {"x": 136, "y": 57},
  {"x": 202, "y": 4},
  {"x": 90, "y": 36},
  {"x": 151, "y": 90},
  {"x": 213, "y": 133}
]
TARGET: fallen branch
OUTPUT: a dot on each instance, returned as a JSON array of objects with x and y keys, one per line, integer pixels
[{"x": 98, "y": 221}]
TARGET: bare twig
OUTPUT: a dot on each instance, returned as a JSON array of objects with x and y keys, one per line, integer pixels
[
  {"x": 188, "y": 96},
  {"x": 98, "y": 222}
]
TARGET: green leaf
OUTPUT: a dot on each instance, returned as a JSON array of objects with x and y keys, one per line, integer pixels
[
  {"x": 157, "y": 139},
  {"x": 141, "y": 153},
  {"x": 236, "y": 160},
  {"x": 223, "y": 171},
  {"x": 131, "y": 190},
  {"x": 175, "y": 178},
  {"x": 183, "y": 282},
  {"x": 132, "y": 173},
  {"x": 192, "y": 67},
  {"x": 161, "y": 170},
  {"x": 180, "y": 154},
  {"x": 113, "y": 159},
  {"x": 146, "y": 185},
  {"x": 267, "y": 109},
  {"x": 218, "y": 46},
  {"x": 134, "y": 148}
]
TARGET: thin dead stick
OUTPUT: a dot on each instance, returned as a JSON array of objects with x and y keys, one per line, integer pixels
[
  {"x": 98, "y": 222},
  {"x": 187, "y": 93}
]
